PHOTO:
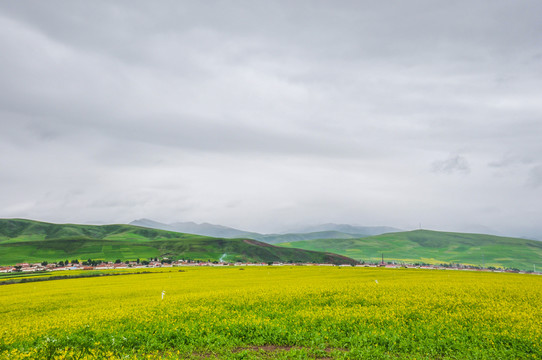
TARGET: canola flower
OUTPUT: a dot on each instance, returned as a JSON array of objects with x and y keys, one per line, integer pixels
[{"x": 276, "y": 312}]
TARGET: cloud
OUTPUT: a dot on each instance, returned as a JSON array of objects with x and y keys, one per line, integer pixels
[
  {"x": 511, "y": 159},
  {"x": 454, "y": 164},
  {"x": 116, "y": 111},
  {"x": 535, "y": 177}
]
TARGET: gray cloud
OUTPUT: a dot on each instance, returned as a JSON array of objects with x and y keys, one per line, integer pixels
[
  {"x": 295, "y": 112},
  {"x": 535, "y": 177},
  {"x": 510, "y": 159},
  {"x": 454, "y": 164}
]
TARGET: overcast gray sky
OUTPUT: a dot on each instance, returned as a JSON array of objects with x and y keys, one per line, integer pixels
[{"x": 262, "y": 115}]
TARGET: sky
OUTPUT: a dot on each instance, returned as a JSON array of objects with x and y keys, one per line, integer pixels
[{"x": 266, "y": 115}]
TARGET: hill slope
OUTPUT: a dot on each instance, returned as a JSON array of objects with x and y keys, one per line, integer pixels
[
  {"x": 33, "y": 241},
  {"x": 435, "y": 247}
]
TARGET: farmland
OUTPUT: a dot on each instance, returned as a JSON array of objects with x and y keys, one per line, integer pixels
[{"x": 276, "y": 313}]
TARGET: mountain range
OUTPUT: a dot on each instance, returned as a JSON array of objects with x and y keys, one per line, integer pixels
[
  {"x": 323, "y": 231},
  {"x": 34, "y": 241},
  {"x": 365, "y": 243}
]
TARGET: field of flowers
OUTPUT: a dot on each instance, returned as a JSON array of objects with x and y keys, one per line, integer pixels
[{"x": 275, "y": 313}]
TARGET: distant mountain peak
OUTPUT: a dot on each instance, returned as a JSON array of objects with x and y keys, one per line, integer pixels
[{"x": 347, "y": 228}]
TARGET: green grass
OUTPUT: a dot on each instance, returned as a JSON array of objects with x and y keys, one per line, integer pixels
[
  {"x": 32, "y": 241},
  {"x": 434, "y": 248}
]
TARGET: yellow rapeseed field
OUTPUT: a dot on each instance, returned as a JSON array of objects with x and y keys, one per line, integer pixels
[{"x": 275, "y": 313}]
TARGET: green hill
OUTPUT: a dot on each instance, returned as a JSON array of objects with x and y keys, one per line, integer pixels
[
  {"x": 33, "y": 241},
  {"x": 435, "y": 247}
]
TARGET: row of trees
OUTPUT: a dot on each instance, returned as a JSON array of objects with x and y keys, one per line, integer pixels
[
  {"x": 91, "y": 262},
  {"x": 62, "y": 263}
]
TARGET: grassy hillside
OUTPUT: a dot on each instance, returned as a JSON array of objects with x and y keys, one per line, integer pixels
[
  {"x": 33, "y": 241},
  {"x": 21, "y": 230},
  {"x": 435, "y": 247}
]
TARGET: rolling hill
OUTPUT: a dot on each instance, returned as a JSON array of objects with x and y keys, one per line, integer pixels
[
  {"x": 435, "y": 247},
  {"x": 33, "y": 241}
]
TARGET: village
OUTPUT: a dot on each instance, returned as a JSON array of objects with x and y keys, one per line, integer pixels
[{"x": 164, "y": 263}]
